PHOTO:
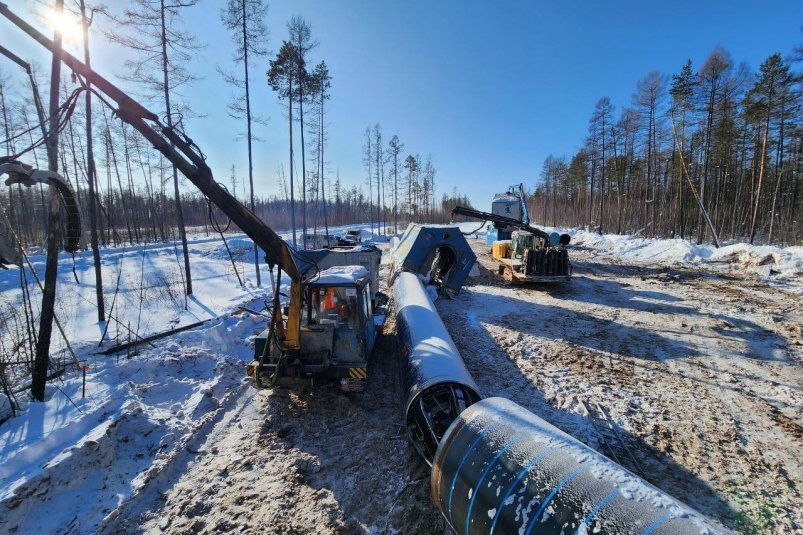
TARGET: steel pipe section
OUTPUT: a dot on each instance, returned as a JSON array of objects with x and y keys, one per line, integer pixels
[
  {"x": 501, "y": 469},
  {"x": 436, "y": 385}
]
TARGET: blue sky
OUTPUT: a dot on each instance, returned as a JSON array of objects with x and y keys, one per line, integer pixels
[{"x": 489, "y": 89}]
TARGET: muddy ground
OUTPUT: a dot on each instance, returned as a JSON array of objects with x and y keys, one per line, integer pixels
[{"x": 692, "y": 379}]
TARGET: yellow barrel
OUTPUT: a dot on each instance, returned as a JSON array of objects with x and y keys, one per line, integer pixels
[{"x": 501, "y": 249}]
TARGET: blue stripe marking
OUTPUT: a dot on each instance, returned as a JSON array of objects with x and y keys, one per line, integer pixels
[
  {"x": 549, "y": 498},
  {"x": 586, "y": 520},
  {"x": 513, "y": 486},
  {"x": 459, "y": 466},
  {"x": 657, "y": 523},
  {"x": 516, "y": 439}
]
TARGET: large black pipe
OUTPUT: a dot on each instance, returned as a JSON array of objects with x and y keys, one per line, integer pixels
[
  {"x": 437, "y": 387},
  {"x": 501, "y": 469}
]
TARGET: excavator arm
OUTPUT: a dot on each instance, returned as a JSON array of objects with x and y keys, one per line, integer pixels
[
  {"x": 187, "y": 158},
  {"x": 498, "y": 219}
]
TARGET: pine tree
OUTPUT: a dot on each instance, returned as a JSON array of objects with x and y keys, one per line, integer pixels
[
  {"x": 281, "y": 77},
  {"x": 394, "y": 151},
  {"x": 302, "y": 42},
  {"x": 762, "y": 101}
]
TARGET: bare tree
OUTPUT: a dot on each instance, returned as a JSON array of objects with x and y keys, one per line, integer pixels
[
  {"x": 600, "y": 121},
  {"x": 321, "y": 82},
  {"x": 301, "y": 39},
  {"x": 161, "y": 68},
  {"x": 246, "y": 20},
  {"x": 368, "y": 162},
  {"x": 649, "y": 92},
  {"x": 379, "y": 170},
  {"x": 394, "y": 152},
  {"x": 712, "y": 77},
  {"x": 42, "y": 358}
]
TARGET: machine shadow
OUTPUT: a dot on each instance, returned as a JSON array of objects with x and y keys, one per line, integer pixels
[
  {"x": 341, "y": 445},
  {"x": 497, "y": 374}
]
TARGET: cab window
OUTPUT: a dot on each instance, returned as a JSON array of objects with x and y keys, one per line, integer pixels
[{"x": 335, "y": 304}]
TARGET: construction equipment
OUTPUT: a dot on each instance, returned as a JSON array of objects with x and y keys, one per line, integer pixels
[
  {"x": 510, "y": 205},
  {"x": 26, "y": 175},
  {"x": 439, "y": 253},
  {"x": 351, "y": 237},
  {"x": 530, "y": 255},
  {"x": 297, "y": 343}
]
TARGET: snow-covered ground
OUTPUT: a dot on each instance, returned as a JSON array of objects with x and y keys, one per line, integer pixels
[
  {"x": 698, "y": 365},
  {"x": 770, "y": 262},
  {"x": 697, "y": 362},
  {"x": 141, "y": 409}
]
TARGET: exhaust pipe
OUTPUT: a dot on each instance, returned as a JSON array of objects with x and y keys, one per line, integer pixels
[{"x": 501, "y": 469}]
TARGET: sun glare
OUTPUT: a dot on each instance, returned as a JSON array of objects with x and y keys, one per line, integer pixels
[{"x": 64, "y": 22}]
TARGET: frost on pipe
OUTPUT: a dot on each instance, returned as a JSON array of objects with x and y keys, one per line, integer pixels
[
  {"x": 437, "y": 387},
  {"x": 501, "y": 469}
]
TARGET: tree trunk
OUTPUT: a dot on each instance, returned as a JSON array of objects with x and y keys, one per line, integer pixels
[
  {"x": 42, "y": 359},
  {"x": 179, "y": 213},
  {"x": 761, "y": 169},
  {"x": 303, "y": 160},
  {"x": 248, "y": 127},
  {"x": 292, "y": 186}
]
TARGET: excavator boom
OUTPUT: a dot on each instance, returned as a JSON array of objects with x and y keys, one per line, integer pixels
[{"x": 499, "y": 219}]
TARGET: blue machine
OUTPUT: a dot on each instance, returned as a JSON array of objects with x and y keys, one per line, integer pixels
[
  {"x": 511, "y": 204},
  {"x": 438, "y": 252}
]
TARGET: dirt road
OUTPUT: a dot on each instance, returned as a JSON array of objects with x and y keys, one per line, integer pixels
[{"x": 692, "y": 379}]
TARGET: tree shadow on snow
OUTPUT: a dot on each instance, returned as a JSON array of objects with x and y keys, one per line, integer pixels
[{"x": 592, "y": 331}]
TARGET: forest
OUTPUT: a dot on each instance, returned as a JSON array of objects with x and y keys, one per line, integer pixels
[
  {"x": 129, "y": 193},
  {"x": 710, "y": 153}
]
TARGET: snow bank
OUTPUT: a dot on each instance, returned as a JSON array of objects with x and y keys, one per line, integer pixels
[{"x": 763, "y": 260}]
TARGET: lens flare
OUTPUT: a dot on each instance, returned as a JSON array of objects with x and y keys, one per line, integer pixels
[{"x": 65, "y": 23}]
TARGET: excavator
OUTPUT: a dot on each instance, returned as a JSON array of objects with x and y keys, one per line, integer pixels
[
  {"x": 326, "y": 329},
  {"x": 525, "y": 254}
]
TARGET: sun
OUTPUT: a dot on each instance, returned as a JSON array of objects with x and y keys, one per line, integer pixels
[{"x": 66, "y": 23}]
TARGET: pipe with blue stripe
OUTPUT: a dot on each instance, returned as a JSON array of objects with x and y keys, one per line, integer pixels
[{"x": 501, "y": 469}]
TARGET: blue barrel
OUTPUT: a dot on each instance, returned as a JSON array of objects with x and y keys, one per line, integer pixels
[{"x": 501, "y": 469}]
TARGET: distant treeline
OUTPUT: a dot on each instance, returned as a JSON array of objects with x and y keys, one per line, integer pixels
[
  {"x": 722, "y": 143},
  {"x": 143, "y": 216}
]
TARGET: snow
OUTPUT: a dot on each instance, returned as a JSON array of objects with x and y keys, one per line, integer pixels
[
  {"x": 763, "y": 260},
  {"x": 703, "y": 372},
  {"x": 698, "y": 366},
  {"x": 6, "y": 411},
  {"x": 341, "y": 275},
  {"x": 143, "y": 410}
]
